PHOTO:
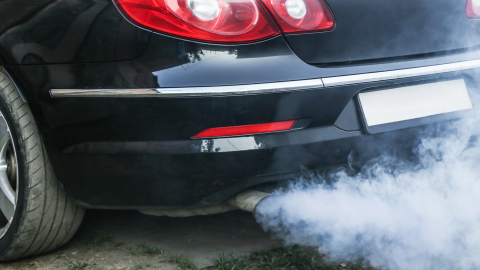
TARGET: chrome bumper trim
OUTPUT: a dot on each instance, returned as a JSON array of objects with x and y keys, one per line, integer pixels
[
  {"x": 247, "y": 89},
  {"x": 263, "y": 88},
  {"x": 399, "y": 74}
]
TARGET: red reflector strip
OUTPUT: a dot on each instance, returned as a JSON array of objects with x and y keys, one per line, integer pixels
[{"x": 244, "y": 130}]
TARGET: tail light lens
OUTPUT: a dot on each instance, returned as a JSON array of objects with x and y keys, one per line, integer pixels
[
  {"x": 218, "y": 21},
  {"x": 227, "y": 21},
  {"x": 301, "y": 15},
  {"x": 473, "y": 9}
]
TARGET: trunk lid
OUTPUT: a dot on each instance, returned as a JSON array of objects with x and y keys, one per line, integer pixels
[{"x": 376, "y": 30}]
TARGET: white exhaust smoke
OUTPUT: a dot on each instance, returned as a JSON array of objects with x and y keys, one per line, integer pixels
[{"x": 395, "y": 214}]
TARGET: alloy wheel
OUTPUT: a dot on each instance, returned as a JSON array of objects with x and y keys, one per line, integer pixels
[{"x": 8, "y": 177}]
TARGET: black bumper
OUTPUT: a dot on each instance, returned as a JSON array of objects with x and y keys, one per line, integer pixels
[
  {"x": 138, "y": 152},
  {"x": 111, "y": 152}
]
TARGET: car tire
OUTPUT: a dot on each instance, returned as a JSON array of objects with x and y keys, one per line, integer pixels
[{"x": 43, "y": 217}]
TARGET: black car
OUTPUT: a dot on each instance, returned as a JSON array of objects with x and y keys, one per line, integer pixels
[{"x": 173, "y": 107}]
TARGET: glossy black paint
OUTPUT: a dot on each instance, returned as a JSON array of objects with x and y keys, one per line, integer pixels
[
  {"x": 66, "y": 31},
  {"x": 379, "y": 30},
  {"x": 169, "y": 62},
  {"x": 138, "y": 152}
]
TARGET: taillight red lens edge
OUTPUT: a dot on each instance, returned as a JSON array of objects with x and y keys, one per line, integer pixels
[
  {"x": 316, "y": 18},
  {"x": 473, "y": 9},
  {"x": 228, "y": 21},
  {"x": 246, "y": 129},
  {"x": 155, "y": 15}
]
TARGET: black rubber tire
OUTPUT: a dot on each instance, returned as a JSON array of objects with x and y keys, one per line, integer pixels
[{"x": 45, "y": 217}]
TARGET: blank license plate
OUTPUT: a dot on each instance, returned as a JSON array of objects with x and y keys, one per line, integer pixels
[{"x": 413, "y": 102}]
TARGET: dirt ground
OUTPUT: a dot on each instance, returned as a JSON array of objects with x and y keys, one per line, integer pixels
[{"x": 131, "y": 240}]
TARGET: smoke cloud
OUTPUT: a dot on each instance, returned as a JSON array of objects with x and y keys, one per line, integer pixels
[{"x": 395, "y": 213}]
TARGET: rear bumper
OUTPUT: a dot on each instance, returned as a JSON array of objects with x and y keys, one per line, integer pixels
[
  {"x": 131, "y": 146},
  {"x": 140, "y": 153}
]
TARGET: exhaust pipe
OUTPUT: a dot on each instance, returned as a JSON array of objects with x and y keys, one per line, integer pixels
[{"x": 246, "y": 200}]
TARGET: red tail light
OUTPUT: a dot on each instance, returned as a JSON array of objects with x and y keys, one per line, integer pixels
[
  {"x": 219, "y": 21},
  {"x": 227, "y": 21},
  {"x": 245, "y": 130},
  {"x": 301, "y": 15},
  {"x": 473, "y": 9}
]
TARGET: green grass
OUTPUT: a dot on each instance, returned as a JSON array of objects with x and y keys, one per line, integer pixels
[
  {"x": 150, "y": 250},
  {"x": 143, "y": 249},
  {"x": 182, "y": 261},
  {"x": 287, "y": 258},
  {"x": 137, "y": 266},
  {"x": 74, "y": 265}
]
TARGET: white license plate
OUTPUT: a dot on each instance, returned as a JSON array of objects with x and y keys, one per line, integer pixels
[{"x": 413, "y": 102}]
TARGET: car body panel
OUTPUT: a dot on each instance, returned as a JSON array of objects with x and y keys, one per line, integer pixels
[
  {"x": 138, "y": 152},
  {"x": 67, "y": 31},
  {"x": 379, "y": 30}
]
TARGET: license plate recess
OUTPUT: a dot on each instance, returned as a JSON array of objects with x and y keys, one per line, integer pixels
[{"x": 413, "y": 105}]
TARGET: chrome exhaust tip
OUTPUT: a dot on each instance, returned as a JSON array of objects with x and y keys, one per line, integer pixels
[{"x": 246, "y": 200}]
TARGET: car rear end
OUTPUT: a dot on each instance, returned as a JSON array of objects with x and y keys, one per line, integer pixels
[{"x": 194, "y": 101}]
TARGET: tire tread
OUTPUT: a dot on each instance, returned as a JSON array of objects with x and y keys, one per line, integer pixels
[{"x": 50, "y": 218}]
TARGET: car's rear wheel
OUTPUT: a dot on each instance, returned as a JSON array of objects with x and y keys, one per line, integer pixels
[{"x": 36, "y": 215}]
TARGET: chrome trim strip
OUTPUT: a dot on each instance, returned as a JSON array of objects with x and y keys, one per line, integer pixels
[
  {"x": 399, "y": 74},
  {"x": 263, "y": 88},
  {"x": 247, "y": 89}
]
